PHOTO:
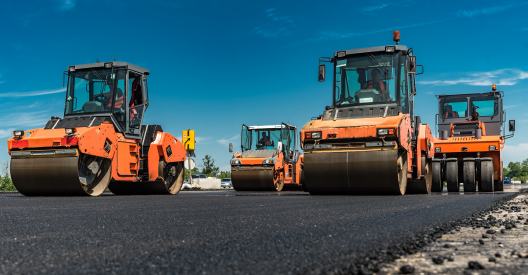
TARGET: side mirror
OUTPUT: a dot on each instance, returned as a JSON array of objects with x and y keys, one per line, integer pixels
[
  {"x": 279, "y": 146},
  {"x": 230, "y": 147},
  {"x": 512, "y": 126},
  {"x": 412, "y": 64},
  {"x": 322, "y": 72}
]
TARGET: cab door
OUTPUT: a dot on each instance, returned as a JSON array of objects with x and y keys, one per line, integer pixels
[
  {"x": 245, "y": 138},
  {"x": 286, "y": 146}
]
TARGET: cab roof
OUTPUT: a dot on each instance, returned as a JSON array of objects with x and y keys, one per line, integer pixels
[
  {"x": 115, "y": 64},
  {"x": 269, "y": 127},
  {"x": 372, "y": 49},
  {"x": 497, "y": 94}
]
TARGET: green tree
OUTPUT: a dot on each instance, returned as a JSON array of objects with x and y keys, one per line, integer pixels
[
  {"x": 194, "y": 171},
  {"x": 6, "y": 184},
  {"x": 515, "y": 169},
  {"x": 525, "y": 162},
  {"x": 224, "y": 174},
  {"x": 209, "y": 167},
  {"x": 506, "y": 172}
]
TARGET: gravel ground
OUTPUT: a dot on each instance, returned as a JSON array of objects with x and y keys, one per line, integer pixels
[{"x": 495, "y": 242}]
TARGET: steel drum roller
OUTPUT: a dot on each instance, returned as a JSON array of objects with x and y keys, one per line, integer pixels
[
  {"x": 56, "y": 176},
  {"x": 355, "y": 172},
  {"x": 250, "y": 178}
]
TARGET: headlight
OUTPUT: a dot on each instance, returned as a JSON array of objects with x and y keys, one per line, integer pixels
[
  {"x": 312, "y": 135},
  {"x": 269, "y": 161},
  {"x": 18, "y": 133},
  {"x": 492, "y": 148},
  {"x": 438, "y": 149},
  {"x": 235, "y": 162},
  {"x": 384, "y": 132},
  {"x": 108, "y": 65},
  {"x": 389, "y": 49},
  {"x": 71, "y": 68},
  {"x": 69, "y": 131}
]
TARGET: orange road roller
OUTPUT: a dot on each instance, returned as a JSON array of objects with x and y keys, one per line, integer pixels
[
  {"x": 470, "y": 143},
  {"x": 101, "y": 142},
  {"x": 369, "y": 141},
  {"x": 269, "y": 160}
]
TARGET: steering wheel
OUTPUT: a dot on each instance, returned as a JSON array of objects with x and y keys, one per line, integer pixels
[
  {"x": 100, "y": 97},
  {"x": 349, "y": 99}
]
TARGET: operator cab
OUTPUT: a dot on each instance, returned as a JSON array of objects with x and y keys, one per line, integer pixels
[
  {"x": 467, "y": 111},
  {"x": 374, "y": 77},
  {"x": 114, "y": 91},
  {"x": 268, "y": 138}
]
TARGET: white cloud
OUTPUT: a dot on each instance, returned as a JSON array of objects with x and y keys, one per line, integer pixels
[
  {"x": 6, "y": 133},
  {"x": 36, "y": 104},
  {"x": 332, "y": 35},
  {"x": 66, "y": 4},
  {"x": 506, "y": 77},
  {"x": 201, "y": 139},
  {"x": 373, "y": 8},
  {"x": 271, "y": 32},
  {"x": 510, "y": 106},
  {"x": 275, "y": 25},
  {"x": 228, "y": 140},
  {"x": 488, "y": 10},
  {"x": 34, "y": 93},
  {"x": 26, "y": 119},
  {"x": 514, "y": 153}
]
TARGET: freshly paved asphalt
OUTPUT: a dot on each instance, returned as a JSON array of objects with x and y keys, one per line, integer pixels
[{"x": 225, "y": 232}]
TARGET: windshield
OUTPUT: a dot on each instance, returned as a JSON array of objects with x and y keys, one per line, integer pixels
[
  {"x": 458, "y": 107},
  {"x": 486, "y": 106},
  {"x": 261, "y": 139},
  {"x": 366, "y": 79},
  {"x": 92, "y": 91},
  {"x": 454, "y": 107}
]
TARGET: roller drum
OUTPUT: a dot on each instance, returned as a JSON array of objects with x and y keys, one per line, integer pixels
[
  {"x": 254, "y": 178},
  {"x": 355, "y": 172},
  {"x": 56, "y": 176}
]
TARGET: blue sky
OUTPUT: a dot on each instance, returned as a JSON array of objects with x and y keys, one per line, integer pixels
[{"x": 216, "y": 65}]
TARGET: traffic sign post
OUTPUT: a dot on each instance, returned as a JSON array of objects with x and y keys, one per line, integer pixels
[{"x": 189, "y": 144}]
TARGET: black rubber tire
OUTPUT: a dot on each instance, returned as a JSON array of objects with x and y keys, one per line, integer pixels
[
  {"x": 437, "y": 183},
  {"x": 486, "y": 175},
  {"x": 469, "y": 176},
  {"x": 422, "y": 185},
  {"x": 303, "y": 183},
  {"x": 453, "y": 184},
  {"x": 417, "y": 123},
  {"x": 402, "y": 176},
  {"x": 498, "y": 185}
]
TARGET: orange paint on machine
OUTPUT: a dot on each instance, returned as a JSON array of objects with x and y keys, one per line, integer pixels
[
  {"x": 100, "y": 142},
  {"x": 268, "y": 160},
  {"x": 369, "y": 141},
  {"x": 471, "y": 138}
]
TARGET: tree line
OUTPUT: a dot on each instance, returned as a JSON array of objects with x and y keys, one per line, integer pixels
[
  {"x": 209, "y": 169},
  {"x": 6, "y": 184},
  {"x": 517, "y": 171}
]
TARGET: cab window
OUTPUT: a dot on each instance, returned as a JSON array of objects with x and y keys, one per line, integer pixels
[
  {"x": 486, "y": 106},
  {"x": 453, "y": 107}
]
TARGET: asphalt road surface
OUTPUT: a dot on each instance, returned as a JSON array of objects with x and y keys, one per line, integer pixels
[{"x": 225, "y": 232}]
